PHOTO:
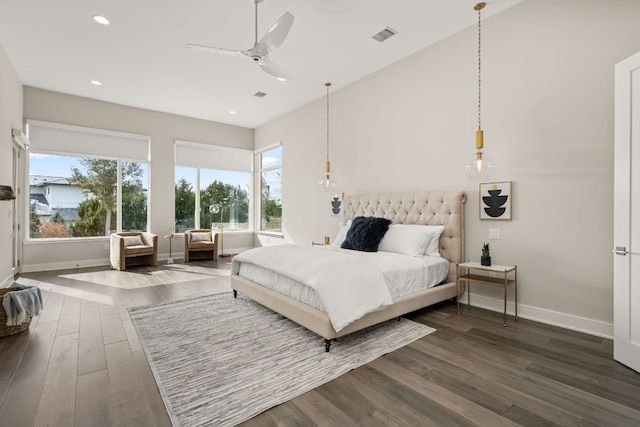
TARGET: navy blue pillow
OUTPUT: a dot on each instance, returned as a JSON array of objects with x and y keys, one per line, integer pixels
[{"x": 366, "y": 233}]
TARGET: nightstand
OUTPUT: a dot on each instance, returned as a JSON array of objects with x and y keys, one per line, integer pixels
[{"x": 494, "y": 275}]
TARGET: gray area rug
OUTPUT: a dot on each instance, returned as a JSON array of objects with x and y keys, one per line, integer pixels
[{"x": 219, "y": 361}]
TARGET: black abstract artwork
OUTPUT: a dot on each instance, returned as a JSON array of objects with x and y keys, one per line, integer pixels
[
  {"x": 494, "y": 203},
  {"x": 336, "y": 203},
  {"x": 495, "y": 200}
]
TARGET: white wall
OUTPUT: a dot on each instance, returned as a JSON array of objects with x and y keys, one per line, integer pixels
[
  {"x": 548, "y": 79},
  {"x": 10, "y": 117},
  {"x": 163, "y": 129}
]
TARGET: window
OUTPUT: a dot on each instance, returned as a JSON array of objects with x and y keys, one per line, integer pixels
[
  {"x": 207, "y": 175},
  {"x": 270, "y": 162},
  {"x": 86, "y": 182}
]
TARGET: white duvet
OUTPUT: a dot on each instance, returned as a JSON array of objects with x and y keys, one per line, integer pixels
[{"x": 347, "y": 283}]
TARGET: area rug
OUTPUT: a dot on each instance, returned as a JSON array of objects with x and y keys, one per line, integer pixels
[{"x": 220, "y": 360}]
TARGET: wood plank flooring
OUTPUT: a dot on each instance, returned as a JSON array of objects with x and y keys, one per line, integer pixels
[{"x": 81, "y": 364}]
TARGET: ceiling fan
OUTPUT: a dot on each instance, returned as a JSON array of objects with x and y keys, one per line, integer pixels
[{"x": 259, "y": 53}]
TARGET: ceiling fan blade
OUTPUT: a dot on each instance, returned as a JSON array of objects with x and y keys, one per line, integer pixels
[
  {"x": 274, "y": 69},
  {"x": 278, "y": 32},
  {"x": 212, "y": 49}
]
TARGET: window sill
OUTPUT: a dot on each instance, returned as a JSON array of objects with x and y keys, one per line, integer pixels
[
  {"x": 53, "y": 240},
  {"x": 269, "y": 234}
]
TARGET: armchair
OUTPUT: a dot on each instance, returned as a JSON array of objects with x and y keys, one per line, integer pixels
[
  {"x": 200, "y": 244},
  {"x": 134, "y": 247}
]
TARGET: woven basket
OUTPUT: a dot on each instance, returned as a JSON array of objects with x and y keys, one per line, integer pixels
[{"x": 5, "y": 330}]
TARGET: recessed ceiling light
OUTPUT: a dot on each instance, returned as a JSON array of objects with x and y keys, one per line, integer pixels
[
  {"x": 96, "y": 82},
  {"x": 282, "y": 79},
  {"x": 101, "y": 20},
  {"x": 232, "y": 112}
]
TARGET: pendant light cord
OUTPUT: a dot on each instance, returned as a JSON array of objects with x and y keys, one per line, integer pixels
[
  {"x": 327, "y": 85},
  {"x": 479, "y": 7}
]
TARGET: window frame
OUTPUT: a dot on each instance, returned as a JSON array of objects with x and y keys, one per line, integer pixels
[
  {"x": 63, "y": 150},
  {"x": 235, "y": 166},
  {"x": 258, "y": 186}
]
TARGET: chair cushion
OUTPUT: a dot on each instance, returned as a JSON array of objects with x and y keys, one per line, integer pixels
[
  {"x": 138, "y": 250},
  {"x": 201, "y": 245}
]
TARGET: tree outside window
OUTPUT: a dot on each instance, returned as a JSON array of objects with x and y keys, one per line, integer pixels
[{"x": 224, "y": 188}]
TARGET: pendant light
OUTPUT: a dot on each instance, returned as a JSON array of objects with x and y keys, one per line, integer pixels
[
  {"x": 326, "y": 183},
  {"x": 479, "y": 166}
]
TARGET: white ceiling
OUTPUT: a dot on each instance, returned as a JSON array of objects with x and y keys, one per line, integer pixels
[{"x": 142, "y": 61}]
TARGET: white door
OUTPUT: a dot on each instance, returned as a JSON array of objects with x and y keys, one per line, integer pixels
[
  {"x": 20, "y": 144},
  {"x": 626, "y": 224}
]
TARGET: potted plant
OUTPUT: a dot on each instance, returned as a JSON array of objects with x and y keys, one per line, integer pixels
[{"x": 485, "y": 259}]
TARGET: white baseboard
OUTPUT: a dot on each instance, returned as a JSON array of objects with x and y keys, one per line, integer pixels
[
  {"x": 7, "y": 281},
  {"x": 542, "y": 315},
  {"x": 32, "y": 268}
]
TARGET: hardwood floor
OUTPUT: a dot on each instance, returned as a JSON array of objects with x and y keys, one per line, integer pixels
[{"x": 81, "y": 364}]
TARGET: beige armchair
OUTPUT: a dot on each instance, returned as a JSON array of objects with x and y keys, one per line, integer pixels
[
  {"x": 200, "y": 244},
  {"x": 134, "y": 247}
]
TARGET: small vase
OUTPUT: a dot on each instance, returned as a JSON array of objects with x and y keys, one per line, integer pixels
[{"x": 485, "y": 260}]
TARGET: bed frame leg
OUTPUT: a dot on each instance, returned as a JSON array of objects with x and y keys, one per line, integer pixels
[
  {"x": 235, "y": 293},
  {"x": 327, "y": 345}
]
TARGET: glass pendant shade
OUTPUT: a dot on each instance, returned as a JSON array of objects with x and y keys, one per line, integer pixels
[
  {"x": 479, "y": 166},
  {"x": 326, "y": 183}
]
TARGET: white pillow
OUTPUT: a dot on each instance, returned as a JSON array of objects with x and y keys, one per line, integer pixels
[
  {"x": 405, "y": 239},
  {"x": 201, "y": 237},
  {"x": 433, "y": 245},
  {"x": 342, "y": 234},
  {"x": 133, "y": 241},
  {"x": 412, "y": 240}
]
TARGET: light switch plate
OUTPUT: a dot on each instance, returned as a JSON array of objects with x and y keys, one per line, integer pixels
[{"x": 494, "y": 233}]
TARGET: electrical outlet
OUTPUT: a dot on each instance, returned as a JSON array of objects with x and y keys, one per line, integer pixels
[
  {"x": 494, "y": 233},
  {"x": 106, "y": 246}
]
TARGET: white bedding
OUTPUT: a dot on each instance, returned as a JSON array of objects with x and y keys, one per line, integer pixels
[
  {"x": 348, "y": 286},
  {"x": 402, "y": 275}
]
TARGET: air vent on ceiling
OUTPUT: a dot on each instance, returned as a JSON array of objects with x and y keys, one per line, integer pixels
[
  {"x": 259, "y": 94},
  {"x": 385, "y": 34}
]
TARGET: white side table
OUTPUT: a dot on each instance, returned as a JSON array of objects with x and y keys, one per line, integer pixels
[{"x": 494, "y": 275}]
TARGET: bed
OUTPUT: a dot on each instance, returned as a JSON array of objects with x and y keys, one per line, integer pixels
[{"x": 426, "y": 208}]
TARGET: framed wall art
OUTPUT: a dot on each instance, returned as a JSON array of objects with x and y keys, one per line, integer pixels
[
  {"x": 336, "y": 203},
  {"x": 496, "y": 200}
]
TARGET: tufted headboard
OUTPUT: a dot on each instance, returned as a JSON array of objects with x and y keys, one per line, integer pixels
[{"x": 422, "y": 208}]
